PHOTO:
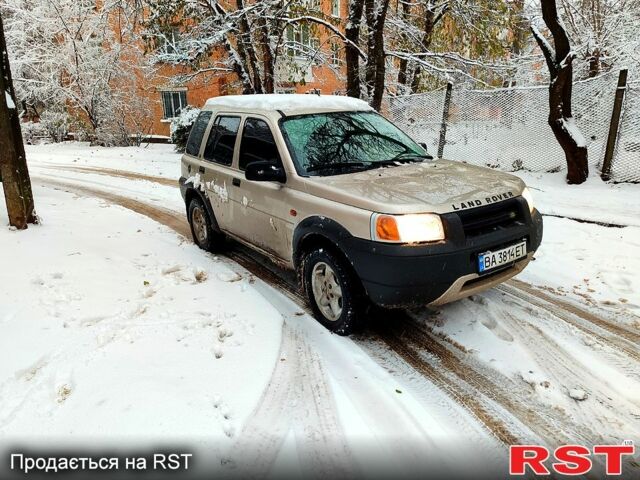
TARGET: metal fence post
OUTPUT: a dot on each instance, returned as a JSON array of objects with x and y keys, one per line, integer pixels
[
  {"x": 445, "y": 118},
  {"x": 614, "y": 126}
]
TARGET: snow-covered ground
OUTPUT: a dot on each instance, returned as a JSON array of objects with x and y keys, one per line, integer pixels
[{"x": 114, "y": 327}]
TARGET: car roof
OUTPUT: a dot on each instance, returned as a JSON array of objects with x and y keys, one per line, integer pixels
[{"x": 287, "y": 103}]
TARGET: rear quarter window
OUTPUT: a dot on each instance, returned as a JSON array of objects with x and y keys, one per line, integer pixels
[{"x": 197, "y": 132}]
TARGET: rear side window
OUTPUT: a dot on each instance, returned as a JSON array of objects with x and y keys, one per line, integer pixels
[
  {"x": 257, "y": 143},
  {"x": 222, "y": 140},
  {"x": 197, "y": 132}
]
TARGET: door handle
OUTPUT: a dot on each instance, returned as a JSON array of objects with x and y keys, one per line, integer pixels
[
  {"x": 201, "y": 169},
  {"x": 236, "y": 182}
]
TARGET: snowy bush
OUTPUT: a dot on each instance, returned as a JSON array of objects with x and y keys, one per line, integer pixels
[
  {"x": 181, "y": 127},
  {"x": 56, "y": 124},
  {"x": 34, "y": 133}
]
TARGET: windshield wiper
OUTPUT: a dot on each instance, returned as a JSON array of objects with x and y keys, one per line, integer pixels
[
  {"x": 412, "y": 156},
  {"x": 337, "y": 165},
  {"x": 399, "y": 160}
]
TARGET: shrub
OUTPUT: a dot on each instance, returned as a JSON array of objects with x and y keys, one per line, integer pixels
[
  {"x": 56, "y": 123},
  {"x": 34, "y": 133},
  {"x": 181, "y": 127}
]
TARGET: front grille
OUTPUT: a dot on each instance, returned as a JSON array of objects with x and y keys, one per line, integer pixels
[{"x": 491, "y": 218}]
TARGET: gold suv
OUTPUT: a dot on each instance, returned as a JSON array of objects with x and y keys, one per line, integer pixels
[{"x": 328, "y": 187}]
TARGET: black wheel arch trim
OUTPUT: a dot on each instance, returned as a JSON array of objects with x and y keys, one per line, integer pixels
[{"x": 319, "y": 226}]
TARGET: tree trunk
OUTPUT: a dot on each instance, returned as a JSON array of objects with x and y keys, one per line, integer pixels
[
  {"x": 595, "y": 66},
  {"x": 352, "y": 56},
  {"x": 376, "y": 58},
  {"x": 402, "y": 67},
  {"x": 561, "y": 120},
  {"x": 13, "y": 164},
  {"x": 267, "y": 56},
  {"x": 427, "y": 37},
  {"x": 246, "y": 50}
]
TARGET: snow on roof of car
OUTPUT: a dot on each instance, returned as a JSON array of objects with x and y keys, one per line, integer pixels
[{"x": 289, "y": 103}]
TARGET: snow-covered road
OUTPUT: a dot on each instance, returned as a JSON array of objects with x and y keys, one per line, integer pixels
[{"x": 550, "y": 358}]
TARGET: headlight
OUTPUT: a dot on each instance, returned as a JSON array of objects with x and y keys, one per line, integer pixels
[
  {"x": 424, "y": 227},
  {"x": 526, "y": 194}
]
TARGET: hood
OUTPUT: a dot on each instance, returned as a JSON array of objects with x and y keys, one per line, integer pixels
[{"x": 438, "y": 186}]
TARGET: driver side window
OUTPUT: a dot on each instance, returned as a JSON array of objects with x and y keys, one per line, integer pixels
[{"x": 257, "y": 144}]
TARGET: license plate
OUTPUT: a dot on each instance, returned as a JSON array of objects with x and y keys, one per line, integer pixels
[{"x": 490, "y": 260}]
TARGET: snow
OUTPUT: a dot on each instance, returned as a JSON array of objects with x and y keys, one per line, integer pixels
[
  {"x": 594, "y": 201},
  {"x": 120, "y": 328},
  {"x": 578, "y": 394},
  {"x": 573, "y": 130},
  {"x": 10, "y": 104},
  {"x": 289, "y": 103},
  {"x": 233, "y": 369}
]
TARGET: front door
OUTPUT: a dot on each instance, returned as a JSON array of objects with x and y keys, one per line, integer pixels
[{"x": 260, "y": 209}]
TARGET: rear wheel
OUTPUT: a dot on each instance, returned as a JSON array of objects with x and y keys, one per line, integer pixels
[
  {"x": 202, "y": 228},
  {"x": 333, "y": 291}
]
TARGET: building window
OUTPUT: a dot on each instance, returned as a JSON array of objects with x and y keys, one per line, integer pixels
[
  {"x": 335, "y": 54},
  {"x": 173, "y": 103},
  {"x": 302, "y": 42},
  {"x": 335, "y": 8}
]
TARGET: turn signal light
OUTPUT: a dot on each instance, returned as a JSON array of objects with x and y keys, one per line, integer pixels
[
  {"x": 414, "y": 228},
  {"x": 387, "y": 228}
]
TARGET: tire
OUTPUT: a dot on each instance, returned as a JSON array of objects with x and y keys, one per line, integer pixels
[
  {"x": 333, "y": 291},
  {"x": 202, "y": 229}
]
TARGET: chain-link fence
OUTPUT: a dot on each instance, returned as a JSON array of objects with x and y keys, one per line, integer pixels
[
  {"x": 625, "y": 166},
  {"x": 507, "y": 128}
]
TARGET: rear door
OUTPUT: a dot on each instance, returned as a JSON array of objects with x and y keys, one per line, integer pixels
[
  {"x": 218, "y": 156},
  {"x": 260, "y": 209}
]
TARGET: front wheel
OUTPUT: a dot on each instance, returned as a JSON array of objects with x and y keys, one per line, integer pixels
[{"x": 333, "y": 291}]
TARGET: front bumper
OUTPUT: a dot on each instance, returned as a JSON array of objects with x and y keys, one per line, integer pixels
[{"x": 405, "y": 275}]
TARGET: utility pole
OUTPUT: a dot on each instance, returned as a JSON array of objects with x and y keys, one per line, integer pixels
[{"x": 14, "y": 173}]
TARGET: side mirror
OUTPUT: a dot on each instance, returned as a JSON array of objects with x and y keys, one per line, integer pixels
[
  {"x": 264, "y": 171},
  {"x": 424, "y": 145}
]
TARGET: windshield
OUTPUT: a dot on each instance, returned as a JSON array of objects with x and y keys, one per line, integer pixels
[{"x": 343, "y": 142}]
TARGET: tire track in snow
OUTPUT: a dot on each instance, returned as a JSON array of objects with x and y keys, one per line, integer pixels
[
  {"x": 503, "y": 406},
  {"x": 111, "y": 172},
  {"x": 297, "y": 399},
  {"x": 602, "y": 321},
  {"x": 603, "y": 330},
  {"x": 567, "y": 372}
]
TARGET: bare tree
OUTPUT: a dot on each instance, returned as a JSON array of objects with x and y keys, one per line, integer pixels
[
  {"x": 604, "y": 32},
  {"x": 14, "y": 173},
  {"x": 561, "y": 121},
  {"x": 75, "y": 57}
]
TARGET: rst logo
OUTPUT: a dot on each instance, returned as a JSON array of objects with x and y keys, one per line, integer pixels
[{"x": 569, "y": 459}]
